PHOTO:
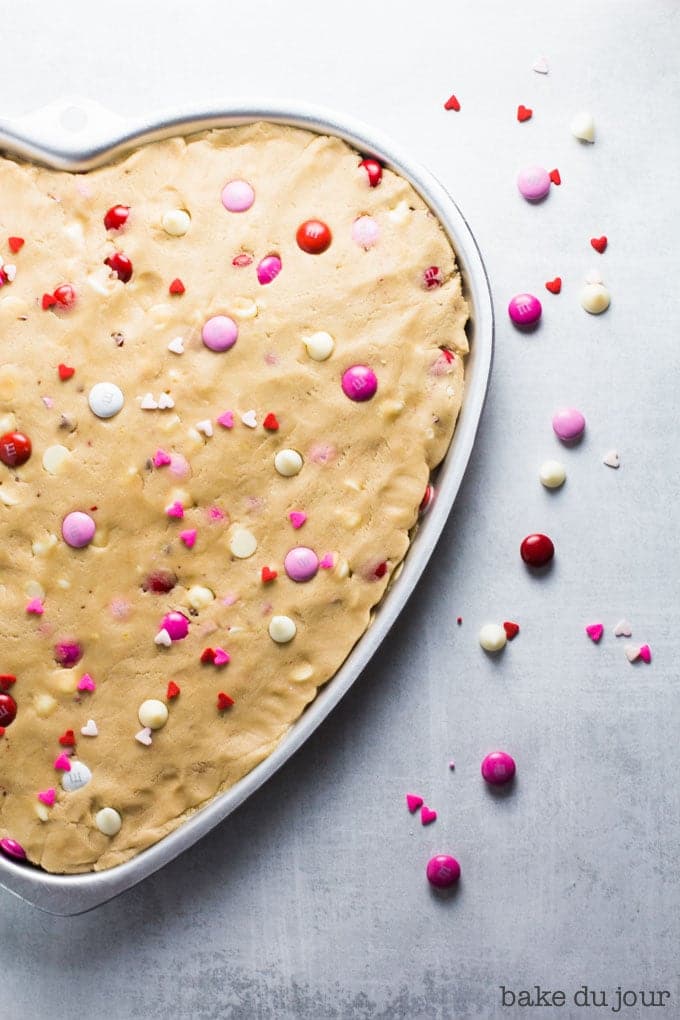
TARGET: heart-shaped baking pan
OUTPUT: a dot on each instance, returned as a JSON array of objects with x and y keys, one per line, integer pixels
[{"x": 78, "y": 136}]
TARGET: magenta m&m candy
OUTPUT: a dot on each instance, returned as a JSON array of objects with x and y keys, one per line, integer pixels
[
  {"x": 176, "y": 625},
  {"x": 533, "y": 183},
  {"x": 77, "y": 529},
  {"x": 537, "y": 550},
  {"x": 359, "y": 383},
  {"x": 219, "y": 333},
  {"x": 568, "y": 424},
  {"x": 268, "y": 269},
  {"x": 498, "y": 768},
  {"x": 237, "y": 196},
  {"x": 442, "y": 871},
  {"x": 301, "y": 563},
  {"x": 11, "y": 848},
  {"x": 524, "y": 309}
]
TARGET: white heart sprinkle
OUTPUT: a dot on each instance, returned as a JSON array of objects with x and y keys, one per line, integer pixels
[
  {"x": 540, "y": 65},
  {"x": 623, "y": 629},
  {"x": 144, "y": 736},
  {"x": 10, "y": 272},
  {"x": 148, "y": 403},
  {"x": 90, "y": 729},
  {"x": 632, "y": 652},
  {"x": 611, "y": 459},
  {"x": 177, "y": 345},
  {"x": 163, "y": 638},
  {"x": 165, "y": 401},
  {"x": 594, "y": 276},
  {"x": 205, "y": 427},
  {"x": 249, "y": 419}
]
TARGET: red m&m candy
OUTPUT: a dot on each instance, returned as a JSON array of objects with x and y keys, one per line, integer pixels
[
  {"x": 121, "y": 266},
  {"x": 116, "y": 217},
  {"x": 537, "y": 550},
  {"x": 313, "y": 236},
  {"x": 8, "y": 709},
  {"x": 15, "y": 449},
  {"x": 373, "y": 171}
]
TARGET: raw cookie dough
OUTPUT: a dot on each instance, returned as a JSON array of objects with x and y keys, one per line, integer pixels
[{"x": 181, "y": 481}]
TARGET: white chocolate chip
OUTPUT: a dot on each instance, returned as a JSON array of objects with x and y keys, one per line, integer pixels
[
  {"x": 282, "y": 629},
  {"x": 108, "y": 821},
  {"x": 583, "y": 127},
  {"x": 391, "y": 409},
  {"x": 63, "y": 583},
  {"x": 242, "y": 543},
  {"x": 492, "y": 637},
  {"x": 102, "y": 281},
  {"x": 45, "y": 705},
  {"x": 153, "y": 714},
  {"x": 176, "y": 222},
  {"x": 288, "y": 463},
  {"x": 176, "y": 345},
  {"x": 78, "y": 777},
  {"x": 42, "y": 547},
  {"x": 243, "y": 308},
  {"x": 319, "y": 345},
  {"x": 302, "y": 671},
  {"x": 9, "y": 381},
  {"x": 400, "y": 212},
  {"x": 42, "y": 812},
  {"x": 199, "y": 597},
  {"x": 8, "y": 422},
  {"x": 349, "y": 518},
  {"x": 595, "y": 298},
  {"x": 55, "y": 458},
  {"x": 160, "y": 315},
  {"x": 6, "y": 497},
  {"x": 34, "y": 590},
  {"x": 552, "y": 474}
]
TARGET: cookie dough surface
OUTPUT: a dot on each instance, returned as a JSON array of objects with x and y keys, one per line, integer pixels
[{"x": 365, "y": 464}]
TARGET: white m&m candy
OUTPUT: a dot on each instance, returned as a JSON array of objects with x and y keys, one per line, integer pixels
[
  {"x": 105, "y": 399},
  {"x": 78, "y": 776}
]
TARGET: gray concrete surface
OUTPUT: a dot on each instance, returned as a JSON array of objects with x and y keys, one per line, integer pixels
[{"x": 310, "y": 902}]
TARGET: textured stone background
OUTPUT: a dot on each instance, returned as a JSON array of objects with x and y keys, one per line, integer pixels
[{"x": 310, "y": 902}]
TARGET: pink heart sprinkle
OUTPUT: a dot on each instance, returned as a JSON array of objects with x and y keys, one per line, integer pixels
[
  {"x": 175, "y": 510},
  {"x": 36, "y": 607},
  {"x": 413, "y": 802},
  {"x": 645, "y": 653},
  {"x": 427, "y": 815},
  {"x": 161, "y": 458},
  {"x": 189, "y": 537},
  {"x": 297, "y": 518},
  {"x": 48, "y": 402},
  {"x": 48, "y": 796},
  {"x": 86, "y": 683},
  {"x": 226, "y": 420},
  {"x": 595, "y": 631},
  {"x": 221, "y": 657},
  {"x": 62, "y": 764},
  {"x": 215, "y": 514},
  {"x": 326, "y": 562},
  {"x": 632, "y": 652}
]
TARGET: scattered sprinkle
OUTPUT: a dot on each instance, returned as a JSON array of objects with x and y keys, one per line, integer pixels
[
  {"x": 68, "y": 739},
  {"x": 224, "y": 701},
  {"x": 226, "y": 420},
  {"x": 623, "y": 629},
  {"x": 452, "y": 765},
  {"x": 161, "y": 458},
  {"x": 65, "y": 372},
  {"x": 15, "y": 244},
  {"x": 175, "y": 510},
  {"x": 595, "y": 631},
  {"x": 632, "y": 652},
  {"x": 645, "y": 653},
  {"x": 90, "y": 729},
  {"x": 599, "y": 243},
  {"x": 149, "y": 402},
  {"x": 413, "y": 802},
  {"x": 249, "y": 419},
  {"x": 427, "y": 815},
  {"x": 452, "y": 104},
  {"x": 270, "y": 423},
  {"x": 48, "y": 796},
  {"x": 268, "y": 575},
  {"x": 144, "y": 736},
  {"x": 162, "y": 638},
  {"x": 205, "y": 427},
  {"x": 62, "y": 763},
  {"x": 35, "y": 607},
  {"x": 327, "y": 561},
  {"x": 189, "y": 537},
  {"x": 554, "y": 286},
  {"x": 524, "y": 113},
  {"x": 177, "y": 287},
  {"x": 297, "y": 518},
  {"x": 7, "y": 680},
  {"x": 459, "y": 620},
  {"x": 86, "y": 683},
  {"x": 555, "y": 176},
  {"x": 176, "y": 345},
  {"x": 511, "y": 629},
  {"x": 173, "y": 690},
  {"x": 221, "y": 657},
  {"x": 611, "y": 459},
  {"x": 540, "y": 66}
]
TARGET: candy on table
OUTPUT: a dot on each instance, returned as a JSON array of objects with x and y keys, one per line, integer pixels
[
  {"x": 108, "y": 821},
  {"x": 313, "y": 237},
  {"x": 219, "y": 333},
  {"x": 492, "y": 637},
  {"x": 413, "y": 802},
  {"x": 237, "y": 196},
  {"x": 78, "y": 529},
  {"x": 511, "y": 629},
  {"x": 524, "y": 309},
  {"x": 595, "y": 298},
  {"x": 153, "y": 714},
  {"x": 583, "y": 127},
  {"x": 612, "y": 459},
  {"x": 533, "y": 183},
  {"x": 105, "y": 399},
  {"x": 554, "y": 286},
  {"x": 498, "y": 768},
  {"x": 540, "y": 66},
  {"x": 568, "y": 424},
  {"x": 599, "y": 244},
  {"x": 537, "y": 550},
  {"x": 442, "y": 871},
  {"x": 524, "y": 113},
  {"x": 282, "y": 629},
  {"x": 359, "y": 383},
  {"x": 594, "y": 631},
  {"x": 552, "y": 474},
  {"x": 452, "y": 103},
  {"x": 301, "y": 564},
  {"x": 427, "y": 815},
  {"x": 623, "y": 629}
]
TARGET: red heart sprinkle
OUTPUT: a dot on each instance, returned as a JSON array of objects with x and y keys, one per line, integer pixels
[
  {"x": 523, "y": 113},
  {"x": 224, "y": 701},
  {"x": 208, "y": 655},
  {"x": 599, "y": 243},
  {"x": 15, "y": 244},
  {"x": 65, "y": 372},
  {"x": 268, "y": 575},
  {"x": 172, "y": 691},
  {"x": 48, "y": 301},
  {"x": 511, "y": 629},
  {"x": 452, "y": 104},
  {"x": 554, "y": 286},
  {"x": 270, "y": 423},
  {"x": 2, "y": 731},
  {"x": 68, "y": 739},
  {"x": 380, "y": 570},
  {"x": 177, "y": 287},
  {"x": 6, "y": 681},
  {"x": 555, "y": 176}
]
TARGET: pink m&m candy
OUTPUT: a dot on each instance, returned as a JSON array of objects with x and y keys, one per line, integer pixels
[
  {"x": 77, "y": 529},
  {"x": 359, "y": 383},
  {"x": 568, "y": 424},
  {"x": 524, "y": 309},
  {"x": 365, "y": 232},
  {"x": 219, "y": 333},
  {"x": 443, "y": 871},
  {"x": 237, "y": 196},
  {"x": 498, "y": 768},
  {"x": 301, "y": 563},
  {"x": 11, "y": 848},
  {"x": 533, "y": 183},
  {"x": 268, "y": 269},
  {"x": 176, "y": 625}
]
